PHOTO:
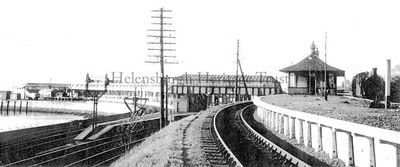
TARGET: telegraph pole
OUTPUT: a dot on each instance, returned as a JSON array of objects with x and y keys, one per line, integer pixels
[
  {"x": 326, "y": 84},
  {"x": 244, "y": 82},
  {"x": 163, "y": 34},
  {"x": 387, "y": 86},
  {"x": 166, "y": 99}
]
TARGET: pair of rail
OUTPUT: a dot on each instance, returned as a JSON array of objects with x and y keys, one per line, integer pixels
[{"x": 228, "y": 155}]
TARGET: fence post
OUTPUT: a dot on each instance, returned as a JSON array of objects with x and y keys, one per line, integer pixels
[
  {"x": 15, "y": 103},
  {"x": 319, "y": 135},
  {"x": 26, "y": 108},
  {"x": 372, "y": 157},
  {"x": 274, "y": 121},
  {"x": 266, "y": 116},
  {"x": 334, "y": 144},
  {"x": 1, "y": 108},
  {"x": 351, "y": 149},
  {"x": 263, "y": 115},
  {"x": 282, "y": 124},
  {"x": 309, "y": 135},
  {"x": 278, "y": 123},
  {"x": 398, "y": 154},
  {"x": 8, "y": 105},
  {"x": 287, "y": 125},
  {"x": 301, "y": 133},
  {"x": 270, "y": 118},
  {"x": 293, "y": 134},
  {"x": 20, "y": 107}
]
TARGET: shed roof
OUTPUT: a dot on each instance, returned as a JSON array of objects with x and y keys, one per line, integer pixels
[
  {"x": 203, "y": 77},
  {"x": 57, "y": 85}
]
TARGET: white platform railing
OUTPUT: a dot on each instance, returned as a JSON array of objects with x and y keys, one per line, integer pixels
[{"x": 355, "y": 144}]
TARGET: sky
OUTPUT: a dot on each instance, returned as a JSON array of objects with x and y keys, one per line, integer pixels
[{"x": 60, "y": 41}]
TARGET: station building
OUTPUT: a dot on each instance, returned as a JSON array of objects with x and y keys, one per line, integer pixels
[
  {"x": 307, "y": 76},
  {"x": 223, "y": 86}
]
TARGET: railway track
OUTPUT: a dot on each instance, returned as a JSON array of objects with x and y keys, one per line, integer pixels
[
  {"x": 215, "y": 151},
  {"x": 42, "y": 140},
  {"x": 21, "y": 144},
  {"x": 228, "y": 139},
  {"x": 99, "y": 152}
]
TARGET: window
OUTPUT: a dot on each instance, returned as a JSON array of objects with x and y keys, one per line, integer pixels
[
  {"x": 292, "y": 80},
  {"x": 302, "y": 81}
]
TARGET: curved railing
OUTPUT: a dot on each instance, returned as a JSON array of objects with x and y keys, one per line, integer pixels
[{"x": 355, "y": 144}]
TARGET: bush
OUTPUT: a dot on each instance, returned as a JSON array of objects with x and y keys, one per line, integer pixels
[
  {"x": 395, "y": 89},
  {"x": 374, "y": 88}
]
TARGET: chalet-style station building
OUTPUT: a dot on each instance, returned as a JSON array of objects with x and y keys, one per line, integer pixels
[{"x": 307, "y": 76}]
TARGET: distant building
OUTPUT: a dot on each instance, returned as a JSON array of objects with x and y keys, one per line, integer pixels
[
  {"x": 36, "y": 87},
  {"x": 122, "y": 90},
  {"x": 191, "y": 84},
  {"x": 5, "y": 95},
  {"x": 29, "y": 90},
  {"x": 225, "y": 85},
  {"x": 307, "y": 76}
]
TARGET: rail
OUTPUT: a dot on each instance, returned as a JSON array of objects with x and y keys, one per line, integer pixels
[
  {"x": 360, "y": 145},
  {"x": 272, "y": 145},
  {"x": 47, "y": 153},
  {"x": 228, "y": 153}
]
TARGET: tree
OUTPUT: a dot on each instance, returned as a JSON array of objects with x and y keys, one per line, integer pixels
[
  {"x": 374, "y": 89},
  {"x": 395, "y": 89}
]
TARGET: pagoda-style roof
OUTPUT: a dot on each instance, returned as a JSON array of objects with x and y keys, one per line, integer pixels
[{"x": 312, "y": 63}]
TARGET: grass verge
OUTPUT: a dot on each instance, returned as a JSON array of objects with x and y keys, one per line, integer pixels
[{"x": 178, "y": 144}]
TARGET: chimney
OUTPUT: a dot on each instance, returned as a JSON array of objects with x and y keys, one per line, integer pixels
[{"x": 374, "y": 71}]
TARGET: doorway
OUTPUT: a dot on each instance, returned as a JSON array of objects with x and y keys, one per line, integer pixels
[{"x": 312, "y": 85}]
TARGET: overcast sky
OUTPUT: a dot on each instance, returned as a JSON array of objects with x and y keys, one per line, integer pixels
[{"x": 64, "y": 40}]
